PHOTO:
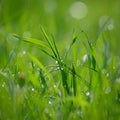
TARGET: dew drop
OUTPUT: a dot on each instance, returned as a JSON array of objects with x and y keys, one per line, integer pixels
[
  {"x": 107, "y": 75},
  {"x": 113, "y": 67},
  {"x": 55, "y": 86},
  {"x": 56, "y": 62},
  {"x": 27, "y": 34},
  {"x": 33, "y": 89},
  {"x": 104, "y": 71},
  {"x": 108, "y": 90},
  {"x": 85, "y": 58},
  {"x": 3, "y": 84},
  {"x": 61, "y": 60},
  {"x": 87, "y": 93},
  {"x": 78, "y": 63},
  {"x": 50, "y": 102},
  {"x": 58, "y": 68},
  {"x": 24, "y": 52},
  {"x": 61, "y": 68}
]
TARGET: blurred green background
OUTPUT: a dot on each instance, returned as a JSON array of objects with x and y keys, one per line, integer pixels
[{"x": 24, "y": 17}]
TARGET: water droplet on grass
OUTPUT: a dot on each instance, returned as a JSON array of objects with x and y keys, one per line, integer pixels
[
  {"x": 85, "y": 58},
  {"x": 55, "y": 86},
  {"x": 78, "y": 10},
  {"x": 50, "y": 102},
  {"x": 113, "y": 67},
  {"x": 58, "y": 68},
  {"x": 117, "y": 80},
  {"x": 78, "y": 63},
  {"x": 33, "y": 89},
  {"x": 23, "y": 52},
  {"x": 87, "y": 93},
  {"x": 61, "y": 61},
  {"x": 61, "y": 68},
  {"x": 107, "y": 75},
  {"x": 27, "y": 34},
  {"x": 104, "y": 71},
  {"x": 56, "y": 62},
  {"x": 108, "y": 90},
  {"x": 3, "y": 84}
]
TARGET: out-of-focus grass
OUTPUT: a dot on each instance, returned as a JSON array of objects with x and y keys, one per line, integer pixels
[{"x": 70, "y": 70}]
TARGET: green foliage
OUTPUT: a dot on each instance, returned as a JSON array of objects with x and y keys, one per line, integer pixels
[{"x": 49, "y": 72}]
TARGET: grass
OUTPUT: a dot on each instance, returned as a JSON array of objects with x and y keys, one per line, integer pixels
[{"x": 63, "y": 75}]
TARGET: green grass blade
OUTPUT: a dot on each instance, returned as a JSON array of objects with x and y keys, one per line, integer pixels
[
  {"x": 35, "y": 60},
  {"x": 89, "y": 42},
  {"x": 48, "y": 54},
  {"x": 58, "y": 56},
  {"x": 10, "y": 57},
  {"x": 74, "y": 80},
  {"x": 35, "y": 41},
  {"x": 64, "y": 81},
  {"x": 49, "y": 41},
  {"x": 32, "y": 40},
  {"x": 71, "y": 44},
  {"x": 93, "y": 62},
  {"x": 43, "y": 81}
]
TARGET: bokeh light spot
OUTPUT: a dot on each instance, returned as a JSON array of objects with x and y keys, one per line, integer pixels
[
  {"x": 50, "y": 6},
  {"x": 78, "y": 10},
  {"x": 106, "y": 22}
]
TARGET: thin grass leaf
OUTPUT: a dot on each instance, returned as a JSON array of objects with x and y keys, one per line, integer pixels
[
  {"x": 70, "y": 71},
  {"x": 64, "y": 81},
  {"x": 89, "y": 43},
  {"x": 99, "y": 32},
  {"x": 10, "y": 84},
  {"x": 49, "y": 41},
  {"x": 93, "y": 62},
  {"x": 71, "y": 44},
  {"x": 58, "y": 56},
  {"x": 90, "y": 68},
  {"x": 43, "y": 81},
  {"x": 74, "y": 79},
  {"x": 48, "y": 54},
  {"x": 35, "y": 60},
  {"x": 33, "y": 41},
  {"x": 10, "y": 57}
]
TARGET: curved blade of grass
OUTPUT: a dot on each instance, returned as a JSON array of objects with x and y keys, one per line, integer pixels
[
  {"x": 48, "y": 54},
  {"x": 71, "y": 44},
  {"x": 89, "y": 43},
  {"x": 34, "y": 59},
  {"x": 74, "y": 79},
  {"x": 70, "y": 70},
  {"x": 90, "y": 68},
  {"x": 10, "y": 57},
  {"x": 93, "y": 62},
  {"x": 58, "y": 56},
  {"x": 100, "y": 30},
  {"x": 33, "y": 41},
  {"x": 43, "y": 81},
  {"x": 49, "y": 41},
  {"x": 64, "y": 81}
]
